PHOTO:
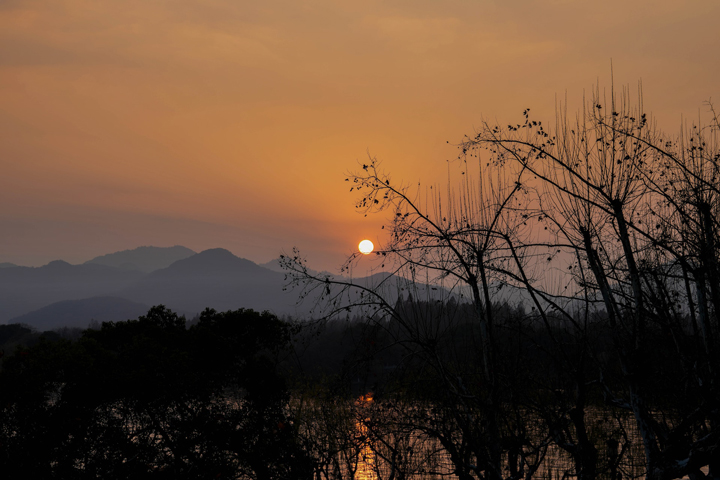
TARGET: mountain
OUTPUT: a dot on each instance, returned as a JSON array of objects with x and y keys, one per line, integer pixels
[
  {"x": 24, "y": 289},
  {"x": 50, "y": 296},
  {"x": 143, "y": 259},
  {"x": 78, "y": 313},
  {"x": 7, "y": 265},
  {"x": 215, "y": 261},
  {"x": 218, "y": 279},
  {"x": 273, "y": 265},
  {"x": 213, "y": 278}
]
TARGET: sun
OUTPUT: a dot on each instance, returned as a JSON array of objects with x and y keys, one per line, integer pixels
[{"x": 366, "y": 246}]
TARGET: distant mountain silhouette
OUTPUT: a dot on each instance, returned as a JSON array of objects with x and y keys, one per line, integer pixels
[
  {"x": 273, "y": 265},
  {"x": 49, "y": 297},
  {"x": 214, "y": 261},
  {"x": 144, "y": 259},
  {"x": 213, "y": 278},
  {"x": 79, "y": 313},
  {"x": 7, "y": 265},
  {"x": 24, "y": 289},
  {"x": 218, "y": 279}
]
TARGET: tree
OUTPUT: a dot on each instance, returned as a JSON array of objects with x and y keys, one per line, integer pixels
[
  {"x": 464, "y": 247},
  {"x": 633, "y": 214},
  {"x": 637, "y": 208},
  {"x": 150, "y": 398}
]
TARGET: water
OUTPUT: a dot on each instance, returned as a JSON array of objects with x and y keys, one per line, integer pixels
[{"x": 368, "y": 440}]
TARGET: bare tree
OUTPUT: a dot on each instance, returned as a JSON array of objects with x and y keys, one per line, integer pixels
[
  {"x": 458, "y": 245},
  {"x": 632, "y": 216},
  {"x": 630, "y": 202}
]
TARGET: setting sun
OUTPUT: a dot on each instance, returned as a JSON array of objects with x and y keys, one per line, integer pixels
[{"x": 365, "y": 247}]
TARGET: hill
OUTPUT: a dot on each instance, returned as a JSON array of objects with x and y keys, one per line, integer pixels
[
  {"x": 213, "y": 278},
  {"x": 25, "y": 289},
  {"x": 59, "y": 294},
  {"x": 79, "y": 313},
  {"x": 143, "y": 259}
]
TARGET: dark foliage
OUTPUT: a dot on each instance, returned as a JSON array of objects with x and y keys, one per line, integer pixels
[{"x": 150, "y": 398}]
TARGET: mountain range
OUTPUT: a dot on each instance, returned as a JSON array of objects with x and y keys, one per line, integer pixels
[
  {"x": 144, "y": 259},
  {"x": 124, "y": 285}
]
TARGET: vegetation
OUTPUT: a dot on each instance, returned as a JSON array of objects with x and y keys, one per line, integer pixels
[
  {"x": 149, "y": 397},
  {"x": 609, "y": 230},
  {"x": 555, "y": 313}
]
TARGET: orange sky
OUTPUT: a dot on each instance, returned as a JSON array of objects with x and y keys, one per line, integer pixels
[{"x": 230, "y": 123}]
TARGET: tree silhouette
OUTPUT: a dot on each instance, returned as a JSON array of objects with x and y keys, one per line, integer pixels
[
  {"x": 624, "y": 339},
  {"x": 149, "y": 398}
]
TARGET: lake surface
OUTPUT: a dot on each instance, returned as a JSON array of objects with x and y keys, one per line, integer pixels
[{"x": 371, "y": 453}]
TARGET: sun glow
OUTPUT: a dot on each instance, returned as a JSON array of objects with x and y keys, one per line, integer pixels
[{"x": 365, "y": 247}]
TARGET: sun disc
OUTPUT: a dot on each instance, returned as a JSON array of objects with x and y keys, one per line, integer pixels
[{"x": 365, "y": 247}]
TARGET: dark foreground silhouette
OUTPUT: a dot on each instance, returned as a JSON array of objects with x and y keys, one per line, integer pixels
[{"x": 150, "y": 397}]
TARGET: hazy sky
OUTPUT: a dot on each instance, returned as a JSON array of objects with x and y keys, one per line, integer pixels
[{"x": 230, "y": 123}]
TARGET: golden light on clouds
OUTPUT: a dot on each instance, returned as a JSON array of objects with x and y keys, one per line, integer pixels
[{"x": 118, "y": 119}]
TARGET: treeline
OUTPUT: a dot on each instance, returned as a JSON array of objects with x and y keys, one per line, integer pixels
[
  {"x": 152, "y": 398},
  {"x": 16, "y": 334},
  {"x": 609, "y": 231},
  {"x": 556, "y": 390},
  {"x": 606, "y": 230},
  {"x": 241, "y": 394}
]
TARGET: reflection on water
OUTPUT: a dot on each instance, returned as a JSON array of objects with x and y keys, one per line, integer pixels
[
  {"x": 366, "y": 464},
  {"x": 382, "y": 446},
  {"x": 366, "y": 467}
]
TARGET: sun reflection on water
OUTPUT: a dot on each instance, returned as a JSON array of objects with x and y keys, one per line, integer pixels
[{"x": 366, "y": 466}]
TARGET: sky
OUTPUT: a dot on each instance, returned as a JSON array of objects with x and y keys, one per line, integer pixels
[{"x": 231, "y": 123}]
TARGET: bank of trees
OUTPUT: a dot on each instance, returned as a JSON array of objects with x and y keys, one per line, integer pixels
[
  {"x": 553, "y": 311},
  {"x": 149, "y": 398},
  {"x": 601, "y": 224}
]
